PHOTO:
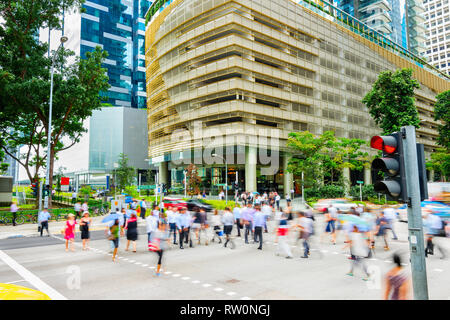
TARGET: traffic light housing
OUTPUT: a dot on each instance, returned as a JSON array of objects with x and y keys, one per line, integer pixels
[
  {"x": 392, "y": 165},
  {"x": 46, "y": 190}
]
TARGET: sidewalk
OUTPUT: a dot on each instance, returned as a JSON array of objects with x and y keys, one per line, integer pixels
[{"x": 30, "y": 230}]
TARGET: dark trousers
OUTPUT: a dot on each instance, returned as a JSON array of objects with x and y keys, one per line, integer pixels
[
  {"x": 160, "y": 254},
  {"x": 258, "y": 235},
  {"x": 44, "y": 224},
  {"x": 238, "y": 227},
  {"x": 183, "y": 235},
  {"x": 248, "y": 229},
  {"x": 14, "y": 218},
  {"x": 173, "y": 228},
  {"x": 143, "y": 213},
  {"x": 306, "y": 246}
]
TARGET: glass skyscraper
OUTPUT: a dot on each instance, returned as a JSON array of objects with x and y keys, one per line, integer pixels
[{"x": 118, "y": 26}]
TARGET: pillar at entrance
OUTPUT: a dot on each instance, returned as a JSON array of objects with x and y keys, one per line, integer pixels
[
  {"x": 287, "y": 176},
  {"x": 346, "y": 174},
  {"x": 250, "y": 169},
  {"x": 164, "y": 172},
  {"x": 367, "y": 176},
  {"x": 431, "y": 176}
]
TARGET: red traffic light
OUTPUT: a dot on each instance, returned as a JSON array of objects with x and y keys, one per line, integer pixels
[{"x": 387, "y": 144}]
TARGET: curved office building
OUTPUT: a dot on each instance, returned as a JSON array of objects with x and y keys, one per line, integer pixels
[{"x": 230, "y": 79}]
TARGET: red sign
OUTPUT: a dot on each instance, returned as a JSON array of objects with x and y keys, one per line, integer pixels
[{"x": 65, "y": 181}]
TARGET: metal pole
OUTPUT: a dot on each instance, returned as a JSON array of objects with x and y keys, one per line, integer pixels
[
  {"x": 415, "y": 230},
  {"x": 139, "y": 185},
  {"x": 226, "y": 182},
  {"x": 40, "y": 195},
  {"x": 185, "y": 183},
  {"x": 47, "y": 175},
  {"x": 303, "y": 191},
  {"x": 360, "y": 192}
]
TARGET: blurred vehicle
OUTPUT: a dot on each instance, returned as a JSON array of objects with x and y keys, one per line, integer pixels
[
  {"x": 13, "y": 292},
  {"x": 340, "y": 204},
  {"x": 198, "y": 203},
  {"x": 173, "y": 202},
  {"x": 439, "y": 209}
]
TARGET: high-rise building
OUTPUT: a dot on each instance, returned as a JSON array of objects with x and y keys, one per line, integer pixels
[
  {"x": 230, "y": 79},
  {"x": 399, "y": 20},
  {"x": 438, "y": 33},
  {"x": 118, "y": 26}
]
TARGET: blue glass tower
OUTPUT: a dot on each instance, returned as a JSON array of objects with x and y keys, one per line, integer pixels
[{"x": 118, "y": 26}]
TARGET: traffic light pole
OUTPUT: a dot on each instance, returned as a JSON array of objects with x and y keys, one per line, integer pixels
[{"x": 415, "y": 230}]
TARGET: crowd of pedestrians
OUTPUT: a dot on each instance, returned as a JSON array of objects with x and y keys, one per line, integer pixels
[{"x": 173, "y": 226}]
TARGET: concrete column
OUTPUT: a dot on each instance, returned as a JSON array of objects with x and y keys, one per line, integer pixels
[
  {"x": 346, "y": 174},
  {"x": 287, "y": 176},
  {"x": 367, "y": 176},
  {"x": 250, "y": 169},
  {"x": 431, "y": 176},
  {"x": 164, "y": 172}
]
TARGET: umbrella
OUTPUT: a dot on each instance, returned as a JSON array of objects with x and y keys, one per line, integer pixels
[
  {"x": 112, "y": 217},
  {"x": 362, "y": 224},
  {"x": 255, "y": 192}
]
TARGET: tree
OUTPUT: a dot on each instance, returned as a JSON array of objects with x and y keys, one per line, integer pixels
[
  {"x": 193, "y": 180},
  {"x": 440, "y": 163},
  {"x": 391, "y": 101},
  {"x": 125, "y": 174},
  {"x": 442, "y": 112},
  {"x": 310, "y": 155},
  {"x": 324, "y": 156},
  {"x": 25, "y": 85}
]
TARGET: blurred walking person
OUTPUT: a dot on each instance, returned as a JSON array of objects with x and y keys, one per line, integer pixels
[
  {"x": 228, "y": 222},
  {"x": 85, "y": 221},
  {"x": 172, "y": 215},
  {"x": 13, "y": 210},
  {"x": 391, "y": 217},
  {"x": 247, "y": 217},
  {"x": 151, "y": 223},
  {"x": 69, "y": 231},
  {"x": 77, "y": 209},
  {"x": 258, "y": 225},
  {"x": 306, "y": 226},
  {"x": 359, "y": 250},
  {"x": 382, "y": 225},
  {"x": 43, "y": 217},
  {"x": 115, "y": 231},
  {"x": 215, "y": 223},
  {"x": 433, "y": 225},
  {"x": 237, "y": 217},
  {"x": 132, "y": 232},
  {"x": 159, "y": 243},
  {"x": 143, "y": 206},
  {"x": 282, "y": 237},
  {"x": 397, "y": 282},
  {"x": 183, "y": 224}
]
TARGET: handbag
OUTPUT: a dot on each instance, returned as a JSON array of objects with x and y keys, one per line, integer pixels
[{"x": 154, "y": 245}]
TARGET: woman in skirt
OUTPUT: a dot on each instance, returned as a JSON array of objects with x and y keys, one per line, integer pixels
[
  {"x": 84, "y": 228},
  {"x": 132, "y": 233}
]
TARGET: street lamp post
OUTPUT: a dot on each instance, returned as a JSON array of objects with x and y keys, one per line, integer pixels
[
  {"x": 226, "y": 176},
  {"x": 47, "y": 175}
]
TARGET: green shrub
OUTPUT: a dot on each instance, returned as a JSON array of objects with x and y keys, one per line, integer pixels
[
  {"x": 220, "y": 204},
  {"x": 327, "y": 191},
  {"x": 367, "y": 192}
]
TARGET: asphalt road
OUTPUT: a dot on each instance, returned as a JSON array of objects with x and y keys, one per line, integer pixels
[{"x": 206, "y": 272}]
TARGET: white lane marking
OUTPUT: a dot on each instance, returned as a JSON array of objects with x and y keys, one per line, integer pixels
[
  {"x": 31, "y": 278},
  {"x": 138, "y": 263},
  {"x": 168, "y": 272},
  {"x": 324, "y": 251},
  {"x": 206, "y": 285},
  {"x": 145, "y": 265},
  {"x": 334, "y": 252},
  {"x": 373, "y": 259},
  {"x": 151, "y": 267},
  {"x": 176, "y": 275},
  {"x": 404, "y": 264},
  {"x": 245, "y": 298},
  {"x": 131, "y": 261},
  {"x": 15, "y": 281},
  {"x": 195, "y": 281},
  {"x": 387, "y": 261},
  {"x": 218, "y": 289},
  {"x": 185, "y": 278},
  {"x": 438, "y": 270},
  {"x": 231, "y": 293}
]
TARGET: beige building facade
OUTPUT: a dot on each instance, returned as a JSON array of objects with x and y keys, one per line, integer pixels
[{"x": 229, "y": 80}]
